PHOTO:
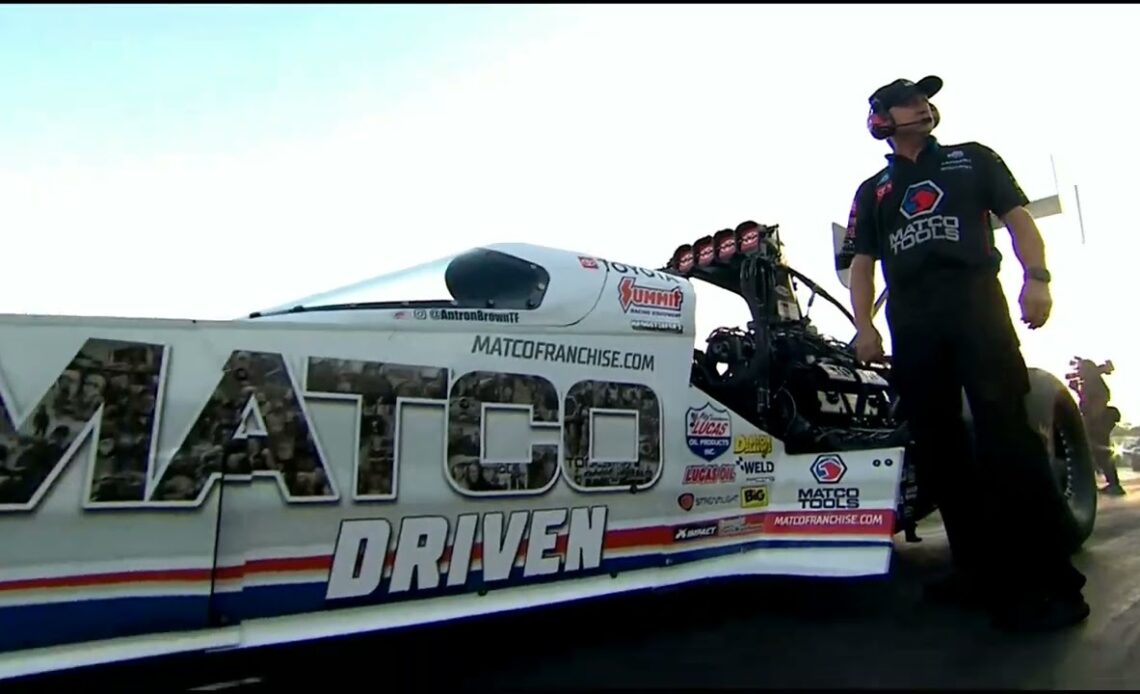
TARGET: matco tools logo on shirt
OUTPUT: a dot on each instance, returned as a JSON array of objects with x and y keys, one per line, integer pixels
[{"x": 919, "y": 202}]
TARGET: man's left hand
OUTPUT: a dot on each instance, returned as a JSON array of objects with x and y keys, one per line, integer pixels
[{"x": 1036, "y": 303}]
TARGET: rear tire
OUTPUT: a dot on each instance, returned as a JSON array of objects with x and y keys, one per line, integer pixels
[{"x": 1054, "y": 413}]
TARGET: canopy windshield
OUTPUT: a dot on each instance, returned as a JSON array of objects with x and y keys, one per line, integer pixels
[{"x": 479, "y": 278}]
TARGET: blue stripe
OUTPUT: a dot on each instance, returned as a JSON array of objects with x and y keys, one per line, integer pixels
[{"x": 31, "y": 626}]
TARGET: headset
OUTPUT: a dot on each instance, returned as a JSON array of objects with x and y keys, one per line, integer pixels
[{"x": 882, "y": 125}]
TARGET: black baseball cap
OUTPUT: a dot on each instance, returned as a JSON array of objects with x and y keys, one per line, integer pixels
[{"x": 902, "y": 90}]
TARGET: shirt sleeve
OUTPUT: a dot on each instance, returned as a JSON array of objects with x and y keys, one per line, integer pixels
[
  {"x": 1000, "y": 189},
  {"x": 862, "y": 237}
]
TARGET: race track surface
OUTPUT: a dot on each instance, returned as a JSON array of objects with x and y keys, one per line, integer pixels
[{"x": 755, "y": 633}]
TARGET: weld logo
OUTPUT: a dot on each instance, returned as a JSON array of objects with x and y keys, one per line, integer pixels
[
  {"x": 633, "y": 295},
  {"x": 686, "y": 501},
  {"x": 828, "y": 469}
]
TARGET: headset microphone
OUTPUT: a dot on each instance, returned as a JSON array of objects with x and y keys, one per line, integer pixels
[{"x": 882, "y": 126}]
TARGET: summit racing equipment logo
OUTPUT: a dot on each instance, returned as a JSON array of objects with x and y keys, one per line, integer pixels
[
  {"x": 708, "y": 431},
  {"x": 653, "y": 300},
  {"x": 921, "y": 199}
]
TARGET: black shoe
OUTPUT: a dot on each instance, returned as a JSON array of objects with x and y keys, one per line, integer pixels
[
  {"x": 1041, "y": 614},
  {"x": 953, "y": 589}
]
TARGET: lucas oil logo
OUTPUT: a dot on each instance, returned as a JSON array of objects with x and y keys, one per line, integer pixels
[{"x": 708, "y": 431}]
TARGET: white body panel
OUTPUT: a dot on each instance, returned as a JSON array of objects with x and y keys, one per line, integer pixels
[{"x": 412, "y": 498}]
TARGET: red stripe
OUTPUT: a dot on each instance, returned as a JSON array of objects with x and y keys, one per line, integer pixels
[{"x": 765, "y": 523}]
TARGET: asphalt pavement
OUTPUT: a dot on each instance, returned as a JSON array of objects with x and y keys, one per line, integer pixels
[{"x": 756, "y": 633}]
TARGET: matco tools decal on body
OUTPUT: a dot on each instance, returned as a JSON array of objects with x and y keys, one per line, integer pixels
[
  {"x": 829, "y": 470},
  {"x": 708, "y": 431}
]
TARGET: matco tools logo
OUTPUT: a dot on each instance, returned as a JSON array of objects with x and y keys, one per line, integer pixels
[
  {"x": 920, "y": 199},
  {"x": 828, "y": 469},
  {"x": 918, "y": 206}
]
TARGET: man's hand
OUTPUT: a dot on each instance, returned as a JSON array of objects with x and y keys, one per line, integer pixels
[
  {"x": 1036, "y": 303},
  {"x": 868, "y": 345}
]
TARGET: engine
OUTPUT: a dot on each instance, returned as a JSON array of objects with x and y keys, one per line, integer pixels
[{"x": 820, "y": 399}]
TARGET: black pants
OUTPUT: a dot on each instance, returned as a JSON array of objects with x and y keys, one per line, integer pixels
[{"x": 999, "y": 502}]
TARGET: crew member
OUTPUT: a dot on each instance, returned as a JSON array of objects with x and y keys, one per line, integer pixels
[{"x": 926, "y": 217}]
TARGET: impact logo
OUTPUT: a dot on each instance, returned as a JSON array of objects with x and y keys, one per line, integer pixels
[
  {"x": 631, "y": 295},
  {"x": 921, "y": 199},
  {"x": 828, "y": 469},
  {"x": 708, "y": 431}
]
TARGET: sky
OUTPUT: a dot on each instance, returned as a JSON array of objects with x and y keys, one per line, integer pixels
[{"x": 206, "y": 161}]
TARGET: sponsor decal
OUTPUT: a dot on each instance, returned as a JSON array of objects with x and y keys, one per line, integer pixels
[
  {"x": 754, "y": 497},
  {"x": 625, "y": 269},
  {"x": 729, "y": 527},
  {"x": 539, "y": 350},
  {"x": 657, "y": 326},
  {"x": 756, "y": 470},
  {"x": 258, "y": 412},
  {"x": 921, "y": 199},
  {"x": 709, "y": 474},
  {"x": 839, "y": 373},
  {"x": 588, "y": 263},
  {"x": 759, "y": 444},
  {"x": 364, "y": 549},
  {"x": 824, "y": 522},
  {"x": 883, "y": 191},
  {"x": 694, "y": 532},
  {"x": 828, "y": 469},
  {"x": 936, "y": 228},
  {"x": 658, "y": 301},
  {"x": 956, "y": 154},
  {"x": 688, "y": 501},
  {"x": 471, "y": 315},
  {"x": 708, "y": 431},
  {"x": 851, "y": 217},
  {"x": 817, "y": 498}
]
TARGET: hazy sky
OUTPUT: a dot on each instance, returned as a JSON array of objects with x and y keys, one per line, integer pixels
[{"x": 207, "y": 161}]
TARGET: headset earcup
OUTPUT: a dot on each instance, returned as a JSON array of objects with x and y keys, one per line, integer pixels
[
  {"x": 880, "y": 125},
  {"x": 937, "y": 116}
]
